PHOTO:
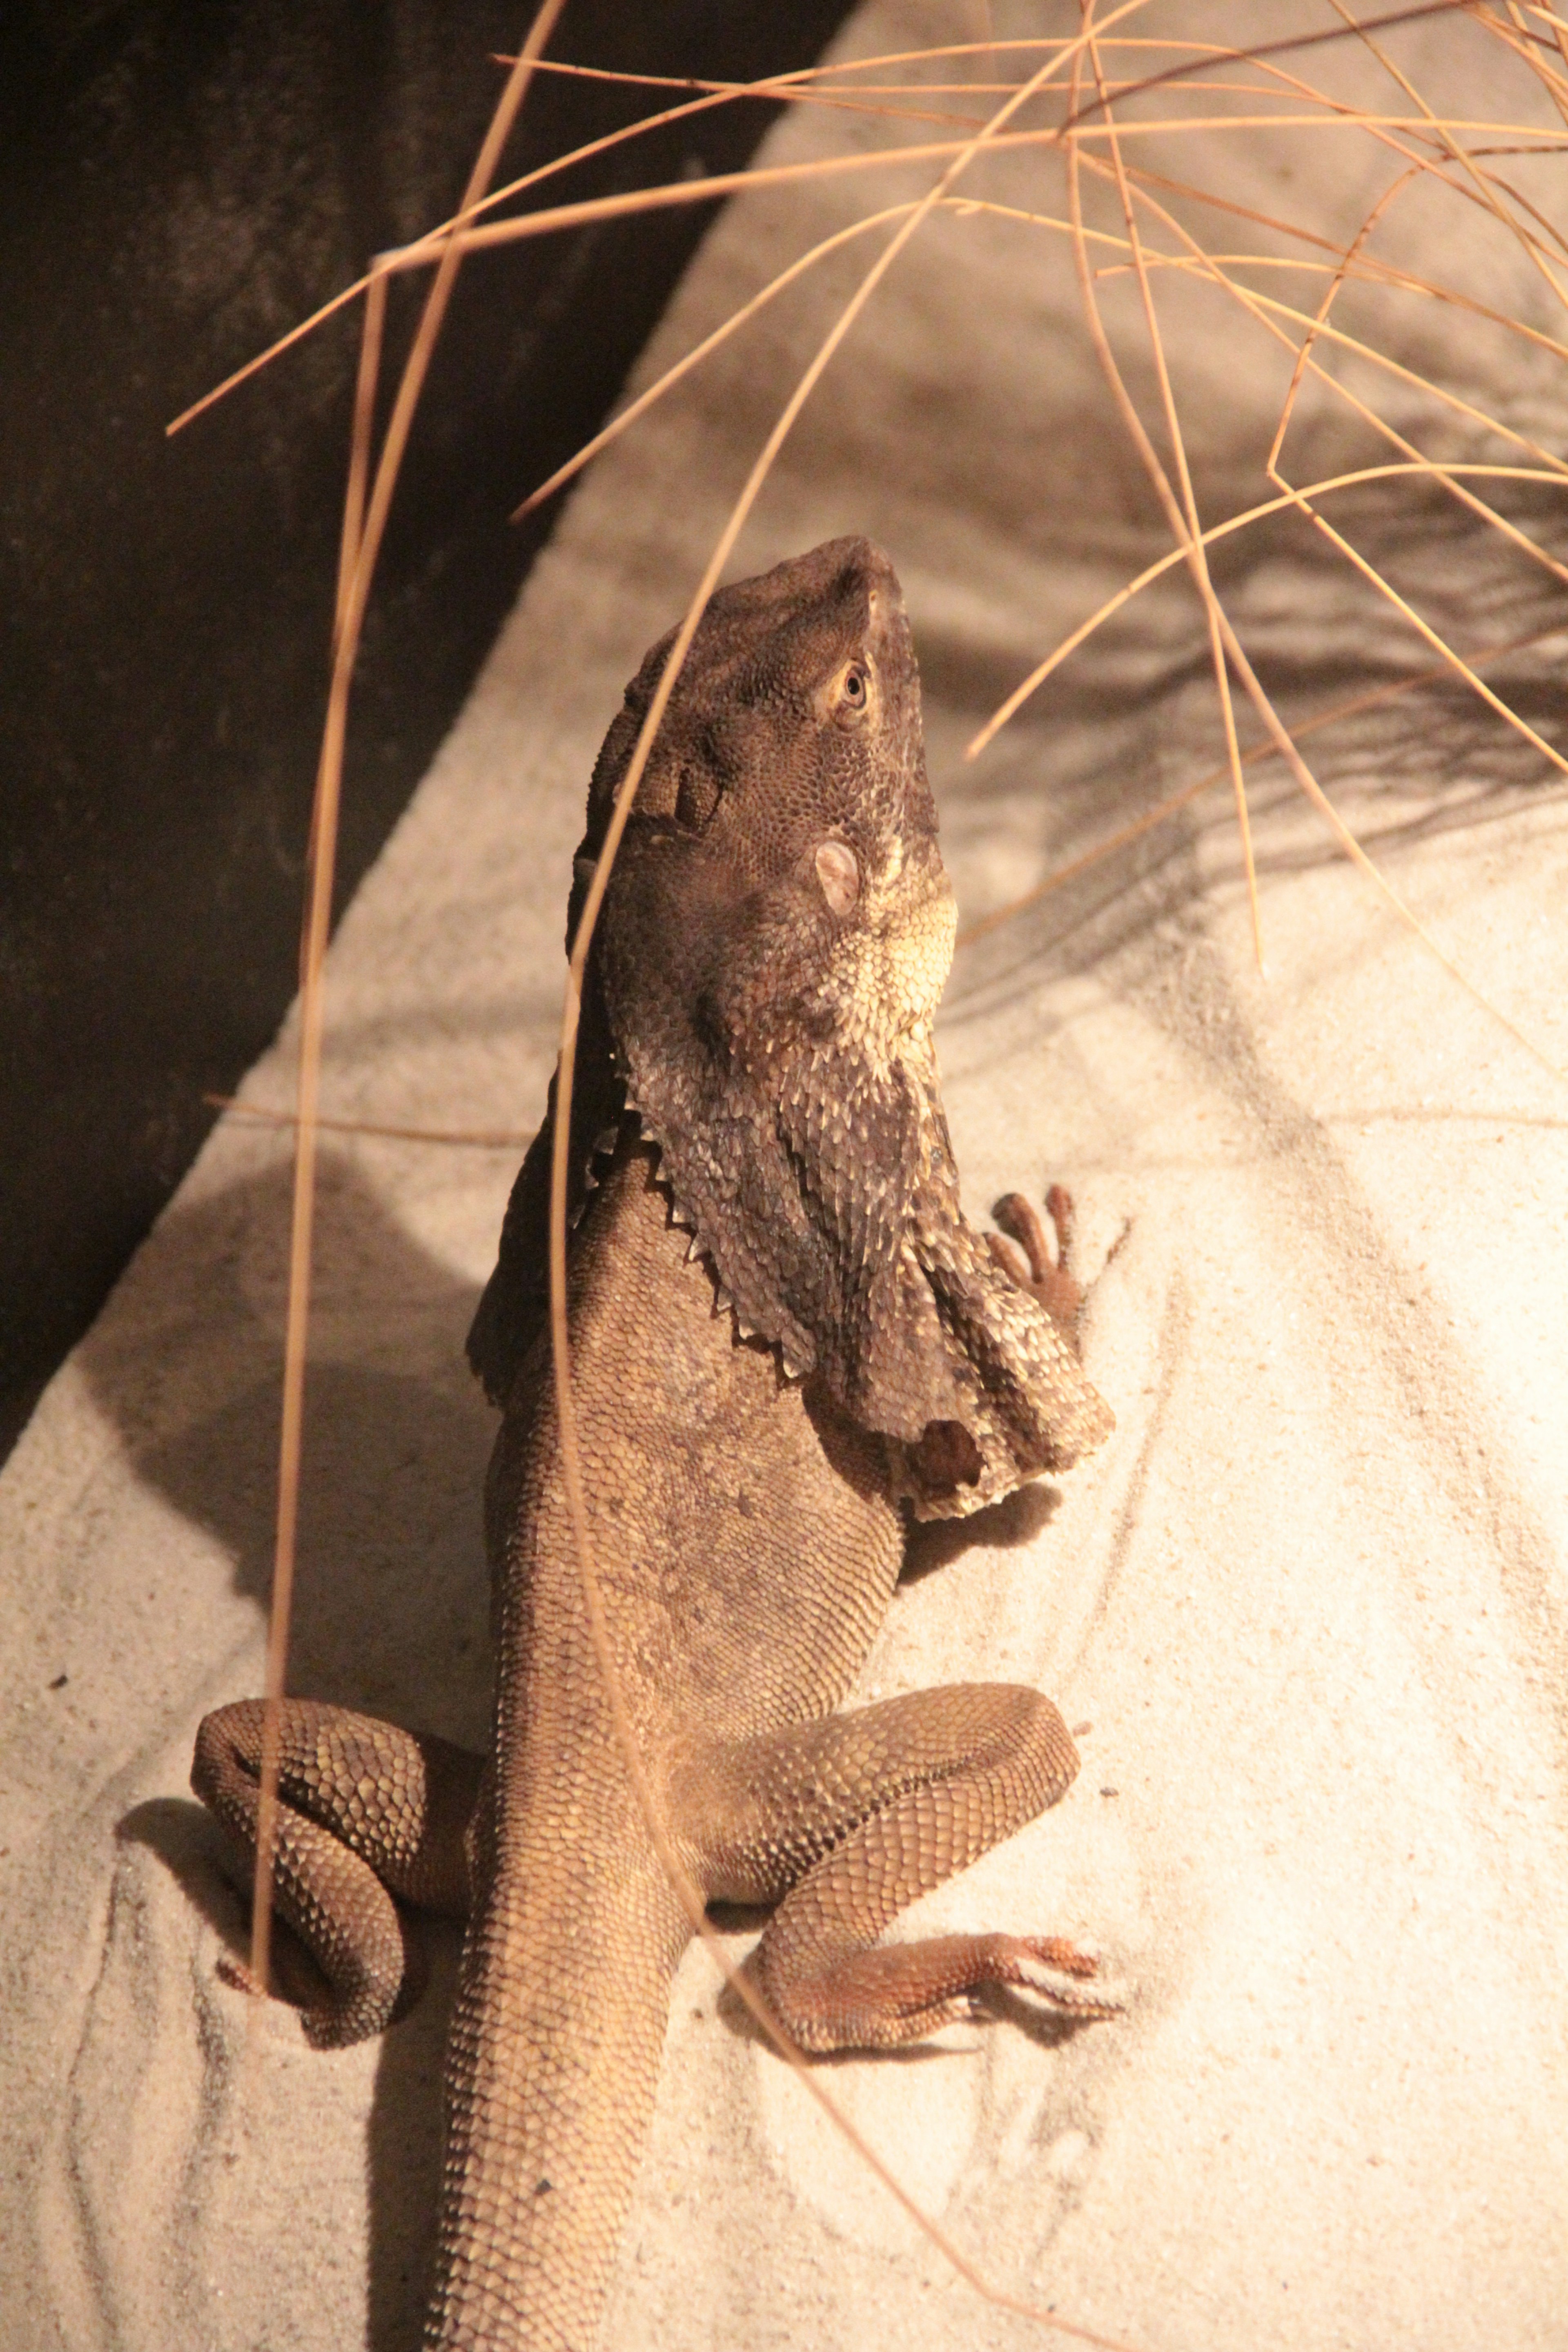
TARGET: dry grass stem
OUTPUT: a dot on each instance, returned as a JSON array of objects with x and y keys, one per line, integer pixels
[
  {"x": 359, "y": 545},
  {"x": 479, "y": 1139},
  {"x": 1299, "y": 768},
  {"x": 1097, "y": 139},
  {"x": 689, "y": 1894},
  {"x": 1262, "y": 747},
  {"x": 1186, "y": 524},
  {"x": 1447, "y": 477}
]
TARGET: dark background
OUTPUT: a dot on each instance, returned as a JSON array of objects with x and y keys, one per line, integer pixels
[{"x": 179, "y": 183}]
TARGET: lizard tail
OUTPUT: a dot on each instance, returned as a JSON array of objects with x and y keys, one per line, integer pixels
[{"x": 553, "y": 2065}]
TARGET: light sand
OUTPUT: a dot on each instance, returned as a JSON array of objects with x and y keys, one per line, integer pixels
[{"x": 1310, "y": 1597}]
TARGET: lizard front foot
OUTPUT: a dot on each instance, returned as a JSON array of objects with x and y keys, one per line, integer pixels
[{"x": 1030, "y": 1260}]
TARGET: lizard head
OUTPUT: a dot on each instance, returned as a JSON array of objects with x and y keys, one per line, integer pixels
[
  {"x": 781, "y": 862},
  {"x": 777, "y": 932}
]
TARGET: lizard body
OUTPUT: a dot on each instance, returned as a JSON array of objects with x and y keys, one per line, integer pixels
[{"x": 782, "y": 1334}]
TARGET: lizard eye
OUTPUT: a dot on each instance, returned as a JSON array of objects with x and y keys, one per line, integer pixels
[
  {"x": 853, "y": 698},
  {"x": 839, "y": 871}
]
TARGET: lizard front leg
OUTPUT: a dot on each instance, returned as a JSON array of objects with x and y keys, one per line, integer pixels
[
  {"x": 366, "y": 1812},
  {"x": 851, "y": 1818}
]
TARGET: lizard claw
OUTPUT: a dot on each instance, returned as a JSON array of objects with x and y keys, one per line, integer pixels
[
  {"x": 1066, "y": 1979},
  {"x": 1018, "y": 1217},
  {"x": 1011, "y": 1260},
  {"x": 237, "y": 1974}
]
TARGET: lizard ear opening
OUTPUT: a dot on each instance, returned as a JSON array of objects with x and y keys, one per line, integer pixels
[
  {"x": 839, "y": 871},
  {"x": 696, "y": 796}
]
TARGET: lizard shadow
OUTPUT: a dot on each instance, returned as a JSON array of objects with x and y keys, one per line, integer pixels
[
  {"x": 1003, "y": 1525},
  {"x": 403, "y": 2128},
  {"x": 392, "y": 1594}
]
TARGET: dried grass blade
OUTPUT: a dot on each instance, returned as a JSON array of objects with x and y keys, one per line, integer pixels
[
  {"x": 1197, "y": 558},
  {"x": 699, "y": 352},
  {"x": 686, "y": 1892},
  {"x": 1069, "y": 645},
  {"x": 1300, "y": 500},
  {"x": 481, "y": 1138},
  {"x": 1261, "y": 747},
  {"x": 1446, "y": 475},
  {"x": 433, "y": 238},
  {"x": 356, "y": 562},
  {"x": 365, "y": 384},
  {"x": 312, "y": 951},
  {"x": 1278, "y": 731},
  {"x": 1350, "y": 255},
  {"x": 1395, "y": 73}
]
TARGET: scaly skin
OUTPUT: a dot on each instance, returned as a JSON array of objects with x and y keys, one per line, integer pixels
[{"x": 783, "y": 1333}]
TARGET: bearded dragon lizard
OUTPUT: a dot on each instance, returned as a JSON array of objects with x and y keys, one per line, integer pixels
[{"x": 784, "y": 1336}]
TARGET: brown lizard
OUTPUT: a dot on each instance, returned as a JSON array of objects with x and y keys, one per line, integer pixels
[{"x": 784, "y": 1336}]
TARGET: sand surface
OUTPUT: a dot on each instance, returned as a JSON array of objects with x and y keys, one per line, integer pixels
[{"x": 1310, "y": 1598}]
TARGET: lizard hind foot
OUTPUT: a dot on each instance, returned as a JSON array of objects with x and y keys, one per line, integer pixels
[
  {"x": 1066, "y": 1979},
  {"x": 885, "y": 1996},
  {"x": 331, "y": 2016},
  {"x": 239, "y": 1977}
]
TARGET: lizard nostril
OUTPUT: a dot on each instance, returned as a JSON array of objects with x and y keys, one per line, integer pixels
[{"x": 839, "y": 871}]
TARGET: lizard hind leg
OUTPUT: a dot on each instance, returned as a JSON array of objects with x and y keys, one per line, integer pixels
[
  {"x": 366, "y": 1812},
  {"x": 851, "y": 1818}
]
